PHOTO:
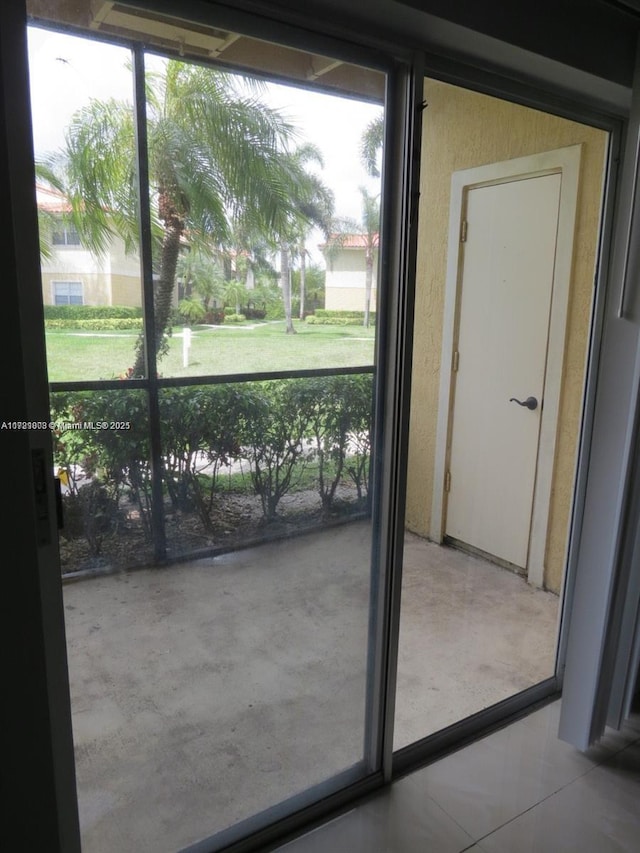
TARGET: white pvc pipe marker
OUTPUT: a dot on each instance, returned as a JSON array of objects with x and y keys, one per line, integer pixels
[{"x": 186, "y": 344}]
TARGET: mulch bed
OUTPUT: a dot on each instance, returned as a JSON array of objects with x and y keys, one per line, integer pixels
[{"x": 236, "y": 521}]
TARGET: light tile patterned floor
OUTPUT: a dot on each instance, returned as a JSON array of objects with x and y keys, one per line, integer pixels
[{"x": 519, "y": 790}]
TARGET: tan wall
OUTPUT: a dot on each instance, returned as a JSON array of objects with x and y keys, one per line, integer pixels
[
  {"x": 98, "y": 288},
  {"x": 126, "y": 290},
  {"x": 345, "y": 281},
  {"x": 347, "y": 298},
  {"x": 95, "y": 290},
  {"x": 462, "y": 130}
]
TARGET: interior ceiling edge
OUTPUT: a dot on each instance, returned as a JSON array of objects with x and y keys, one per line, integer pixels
[{"x": 199, "y": 41}]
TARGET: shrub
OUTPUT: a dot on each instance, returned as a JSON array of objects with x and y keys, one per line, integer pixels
[
  {"x": 280, "y": 426},
  {"x": 358, "y": 460},
  {"x": 191, "y": 311},
  {"x": 274, "y": 311},
  {"x": 275, "y": 433},
  {"x": 255, "y": 313},
  {"x": 92, "y": 312},
  {"x": 314, "y": 320},
  {"x": 106, "y": 325},
  {"x": 234, "y": 318},
  {"x": 339, "y": 412},
  {"x": 117, "y": 458},
  {"x": 200, "y": 430},
  {"x": 90, "y": 512},
  {"x": 325, "y": 317},
  {"x": 214, "y": 317}
]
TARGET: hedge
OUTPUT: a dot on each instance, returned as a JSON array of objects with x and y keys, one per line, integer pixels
[
  {"x": 278, "y": 426},
  {"x": 325, "y": 317},
  {"x": 313, "y": 320},
  {"x": 91, "y": 312},
  {"x": 106, "y": 325}
]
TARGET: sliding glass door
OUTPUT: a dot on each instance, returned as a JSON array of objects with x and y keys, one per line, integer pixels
[
  {"x": 226, "y": 254},
  {"x": 508, "y": 247},
  {"x": 212, "y": 247}
]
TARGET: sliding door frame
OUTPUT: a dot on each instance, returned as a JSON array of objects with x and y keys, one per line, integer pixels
[
  {"x": 392, "y": 372},
  {"x": 457, "y": 73}
]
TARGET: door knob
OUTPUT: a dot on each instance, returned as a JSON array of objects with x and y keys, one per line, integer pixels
[{"x": 529, "y": 403}]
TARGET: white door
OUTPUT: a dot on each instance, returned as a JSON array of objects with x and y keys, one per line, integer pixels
[{"x": 505, "y": 291}]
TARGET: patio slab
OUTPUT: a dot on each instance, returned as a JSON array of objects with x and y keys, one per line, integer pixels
[{"x": 205, "y": 692}]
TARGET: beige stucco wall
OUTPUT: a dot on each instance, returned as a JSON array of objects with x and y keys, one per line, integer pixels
[
  {"x": 345, "y": 281},
  {"x": 126, "y": 290},
  {"x": 95, "y": 286},
  {"x": 462, "y": 130},
  {"x": 347, "y": 298},
  {"x": 109, "y": 279}
]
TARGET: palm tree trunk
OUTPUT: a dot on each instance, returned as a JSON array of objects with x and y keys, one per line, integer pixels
[
  {"x": 303, "y": 273},
  {"x": 163, "y": 292},
  {"x": 285, "y": 279},
  {"x": 368, "y": 283}
]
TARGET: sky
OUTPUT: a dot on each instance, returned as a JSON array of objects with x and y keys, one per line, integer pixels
[{"x": 66, "y": 71}]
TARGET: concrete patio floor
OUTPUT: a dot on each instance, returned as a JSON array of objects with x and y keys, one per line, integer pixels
[{"x": 205, "y": 692}]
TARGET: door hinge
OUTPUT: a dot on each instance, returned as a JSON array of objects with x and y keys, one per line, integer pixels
[
  {"x": 463, "y": 231},
  {"x": 455, "y": 364},
  {"x": 447, "y": 481}
]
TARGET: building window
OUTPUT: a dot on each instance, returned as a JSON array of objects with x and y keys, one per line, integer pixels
[
  {"x": 67, "y": 293},
  {"x": 65, "y": 235}
]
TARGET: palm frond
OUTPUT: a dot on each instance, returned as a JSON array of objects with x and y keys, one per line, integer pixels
[
  {"x": 371, "y": 145},
  {"x": 100, "y": 174}
]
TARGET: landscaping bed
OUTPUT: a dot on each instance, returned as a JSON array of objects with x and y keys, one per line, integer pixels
[
  {"x": 237, "y": 521},
  {"x": 242, "y": 463}
]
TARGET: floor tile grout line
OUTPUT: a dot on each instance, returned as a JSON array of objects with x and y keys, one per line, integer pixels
[
  {"x": 451, "y": 818},
  {"x": 520, "y": 814},
  {"x": 535, "y": 805}
]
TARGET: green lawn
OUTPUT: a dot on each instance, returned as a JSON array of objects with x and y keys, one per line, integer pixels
[{"x": 75, "y": 356}]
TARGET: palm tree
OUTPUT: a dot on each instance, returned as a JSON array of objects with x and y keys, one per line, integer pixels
[
  {"x": 371, "y": 145},
  {"x": 302, "y": 257},
  {"x": 47, "y": 221},
  {"x": 200, "y": 271},
  {"x": 234, "y": 292},
  {"x": 218, "y": 161},
  {"x": 314, "y": 206},
  {"x": 370, "y": 231}
]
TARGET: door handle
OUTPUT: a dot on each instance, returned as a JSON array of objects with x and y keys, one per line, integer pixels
[{"x": 529, "y": 403}]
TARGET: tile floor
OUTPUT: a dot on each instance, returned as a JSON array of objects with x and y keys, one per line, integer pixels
[{"x": 519, "y": 790}]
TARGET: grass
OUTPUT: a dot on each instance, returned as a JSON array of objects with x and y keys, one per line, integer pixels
[
  {"x": 222, "y": 350},
  {"x": 305, "y": 476}
]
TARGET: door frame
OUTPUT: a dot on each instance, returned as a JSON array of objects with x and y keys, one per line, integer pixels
[{"x": 565, "y": 161}]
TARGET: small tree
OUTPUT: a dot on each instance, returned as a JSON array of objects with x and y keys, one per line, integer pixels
[{"x": 274, "y": 435}]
